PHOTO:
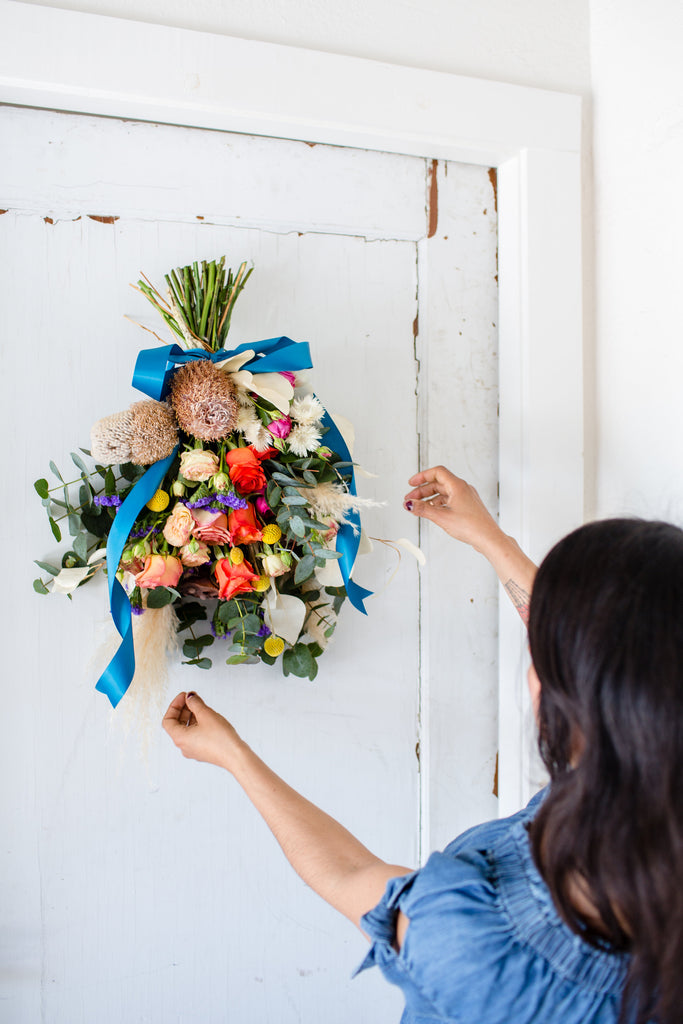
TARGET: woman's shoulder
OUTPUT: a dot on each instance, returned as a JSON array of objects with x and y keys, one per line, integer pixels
[{"x": 484, "y": 940}]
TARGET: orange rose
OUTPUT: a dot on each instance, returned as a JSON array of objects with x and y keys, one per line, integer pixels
[
  {"x": 234, "y": 579},
  {"x": 245, "y": 470},
  {"x": 160, "y": 571},
  {"x": 243, "y": 526}
]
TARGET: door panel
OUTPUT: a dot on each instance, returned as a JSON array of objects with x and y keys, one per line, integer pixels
[{"x": 153, "y": 892}]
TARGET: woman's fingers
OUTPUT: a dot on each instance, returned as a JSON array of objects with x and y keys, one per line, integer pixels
[{"x": 423, "y": 491}]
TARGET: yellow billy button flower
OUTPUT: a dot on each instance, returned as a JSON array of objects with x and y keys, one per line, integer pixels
[
  {"x": 262, "y": 583},
  {"x": 271, "y": 533},
  {"x": 274, "y": 646},
  {"x": 236, "y": 556},
  {"x": 158, "y": 502}
]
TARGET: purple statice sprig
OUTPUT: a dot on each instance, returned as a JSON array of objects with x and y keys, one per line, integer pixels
[
  {"x": 218, "y": 502},
  {"x": 109, "y": 500}
]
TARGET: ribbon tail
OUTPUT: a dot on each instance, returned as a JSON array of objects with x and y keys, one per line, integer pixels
[
  {"x": 118, "y": 674},
  {"x": 348, "y": 539}
]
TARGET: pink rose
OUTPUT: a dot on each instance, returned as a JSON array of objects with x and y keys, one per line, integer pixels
[
  {"x": 199, "y": 556},
  {"x": 178, "y": 526},
  {"x": 211, "y": 527},
  {"x": 160, "y": 571},
  {"x": 198, "y": 464},
  {"x": 280, "y": 428}
]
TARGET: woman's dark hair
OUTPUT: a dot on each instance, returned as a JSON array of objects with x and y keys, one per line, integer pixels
[{"x": 606, "y": 639}]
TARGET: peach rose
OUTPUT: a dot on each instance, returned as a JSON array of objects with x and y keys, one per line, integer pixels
[
  {"x": 178, "y": 526},
  {"x": 245, "y": 470},
  {"x": 243, "y": 526},
  {"x": 199, "y": 556},
  {"x": 160, "y": 571},
  {"x": 198, "y": 464},
  {"x": 211, "y": 527},
  {"x": 234, "y": 579},
  {"x": 274, "y": 566}
]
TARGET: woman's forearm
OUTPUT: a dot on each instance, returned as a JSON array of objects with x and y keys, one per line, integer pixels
[{"x": 322, "y": 852}]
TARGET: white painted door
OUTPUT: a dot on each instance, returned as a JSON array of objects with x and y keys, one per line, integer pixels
[{"x": 154, "y": 893}]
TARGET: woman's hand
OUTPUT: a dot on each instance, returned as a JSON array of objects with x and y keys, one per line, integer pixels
[
  {"x": 201, "y": 733},
  {"x": 454, "y": 505}
]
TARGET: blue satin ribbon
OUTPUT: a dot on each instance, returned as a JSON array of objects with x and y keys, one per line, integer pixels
[
  {"x": 348, "y": 536},
  {"x": 118, "y": 674},
  {"x": 154, "y": 366},
  {"x": 154, "y": 369}
]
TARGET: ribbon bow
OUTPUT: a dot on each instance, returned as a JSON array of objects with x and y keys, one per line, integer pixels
[{"x": 154, "y": 369}]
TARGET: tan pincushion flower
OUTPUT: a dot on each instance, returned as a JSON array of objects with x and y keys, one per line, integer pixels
[
  {"x": 204, "y": 400},
  {"x": 154, "y": 432},
  {"x": 110, "y": 438}
]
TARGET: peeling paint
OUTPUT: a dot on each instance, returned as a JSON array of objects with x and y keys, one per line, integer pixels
[
  {"x": 311, "y": 144},
  {"x": 415, "y": 326},
  {"x": 493, "y": 178},
  {"x": 199, "y": 217},
  {"x": 48, "y": 220},
  {"x": 433, "y": 201},
  {"x": 417, "y": 751},
  {"x": 102, "y": 220},
  {"x": 495, "y": 778},
  {"x": 3, "y": 211}
]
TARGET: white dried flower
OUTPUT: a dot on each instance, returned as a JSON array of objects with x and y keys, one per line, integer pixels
[
  {"x": 333, "y": 501},
  {"x": 247, "y": 420},
  {"x": 304, "y": 438},
  {"x": 307, "y": 410}
]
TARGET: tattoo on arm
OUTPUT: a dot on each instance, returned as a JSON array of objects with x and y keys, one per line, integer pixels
[{"x": 520, "y": 598}]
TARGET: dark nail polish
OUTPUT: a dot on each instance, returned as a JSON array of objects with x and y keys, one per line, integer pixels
[{"x": 408, "y": 505}]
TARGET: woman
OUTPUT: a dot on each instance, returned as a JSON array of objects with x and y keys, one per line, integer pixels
[{"x": 570, "y": 911}]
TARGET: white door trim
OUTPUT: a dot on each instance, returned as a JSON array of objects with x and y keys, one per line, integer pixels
[{"x": 91, "y": 64}]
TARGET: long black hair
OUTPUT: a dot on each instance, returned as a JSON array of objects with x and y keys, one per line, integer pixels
[{"x": 606, "y": 640}]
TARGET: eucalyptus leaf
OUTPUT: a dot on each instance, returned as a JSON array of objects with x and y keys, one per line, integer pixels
[
  {"x": 79, "y": 463},
  {"x": 158, "y": 597},
  {"x": 326, "y": 553},
  {"x": 310, "y": 478},
  {"x": 294, "y": 499},
  {"x": 74, "y": 524},
  {"x": 57, "y": 533},
  {"x": 46, "y": 567},
  {"x": 240, "y": 659},
  {"x": 296, "y": 526},
  {"x": 81, "y": 546},
  {"x": 298, "y": 661},
  {"x": 304, "y": 569},
  {"x": 40, "y": 587},
  {"x": 251, "y": 623},
  {"x": 200, "y": 662},
  {"x": 199, "y": 641},
  {"x": 56, "y": 472},
  {"x": 41, "y": 487}
]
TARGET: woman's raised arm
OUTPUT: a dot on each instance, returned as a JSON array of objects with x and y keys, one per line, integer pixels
[
  {"x": 322, "y": 852},
  {"x": 454, "y": 505}
]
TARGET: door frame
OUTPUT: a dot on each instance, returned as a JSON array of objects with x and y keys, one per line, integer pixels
[{"x": 530, "y": 137}]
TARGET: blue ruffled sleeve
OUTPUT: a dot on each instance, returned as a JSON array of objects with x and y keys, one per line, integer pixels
[{"x": 484, "y": 942}]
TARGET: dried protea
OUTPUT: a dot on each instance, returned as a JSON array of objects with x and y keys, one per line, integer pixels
[
  {"x": 204, "y": 400},
  {"x": 155, "y": 432},
  {"x": 110, "y": 438}
]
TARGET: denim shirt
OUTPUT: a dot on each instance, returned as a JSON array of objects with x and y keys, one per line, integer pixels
[{"x": 485, "y": 944}]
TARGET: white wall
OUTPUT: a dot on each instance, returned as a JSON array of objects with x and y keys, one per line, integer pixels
[
  {"x": 638, "y": 97},
  {"x": 542, "y": 43}
]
